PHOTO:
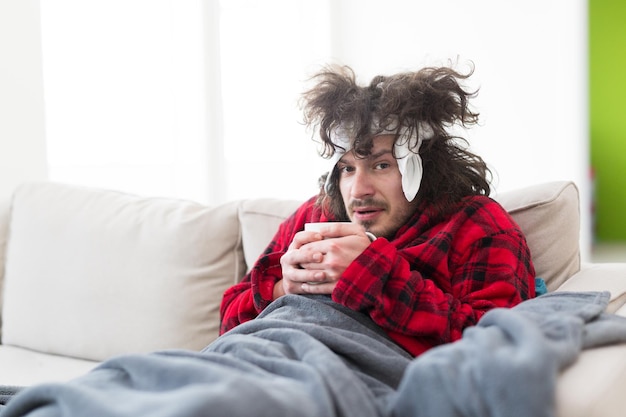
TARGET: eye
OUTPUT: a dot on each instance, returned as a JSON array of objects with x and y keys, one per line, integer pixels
[
  {"x": 382, "y": 165},
  {"x": 344, "y": 169}
]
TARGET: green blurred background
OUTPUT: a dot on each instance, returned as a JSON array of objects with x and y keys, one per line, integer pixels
[{"x": 607, "y": 71}]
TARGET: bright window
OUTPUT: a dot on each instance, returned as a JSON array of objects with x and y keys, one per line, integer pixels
[{"x": 184, "y": 98}]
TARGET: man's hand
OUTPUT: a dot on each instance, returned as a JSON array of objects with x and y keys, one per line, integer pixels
[{"x": 315, "y": 261}]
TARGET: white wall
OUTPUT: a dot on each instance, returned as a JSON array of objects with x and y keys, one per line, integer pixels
[
  {"x": 124, "y": 95},
  {"x": 530, "y": 65},
  {"x": 530, "y": 60},
  {"x": 22, "y": 141}
]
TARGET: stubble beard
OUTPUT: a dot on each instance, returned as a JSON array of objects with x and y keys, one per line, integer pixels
[{"x": 368, "y": 224}]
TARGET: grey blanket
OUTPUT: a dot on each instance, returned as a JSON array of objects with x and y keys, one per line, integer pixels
[{"x": 307, "y": 356}]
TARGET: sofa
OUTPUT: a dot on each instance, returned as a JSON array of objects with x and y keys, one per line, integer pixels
[{"x": 88, "y": 274}]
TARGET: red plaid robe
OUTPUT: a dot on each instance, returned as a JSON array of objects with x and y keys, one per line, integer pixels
[{"x": 424, "y": 286}]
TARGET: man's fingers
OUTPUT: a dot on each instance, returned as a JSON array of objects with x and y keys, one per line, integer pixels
[
  {"x": 333, "y": 230},
  {"x": 302, "y": 238},
  {"x": 318, "y": 288}
]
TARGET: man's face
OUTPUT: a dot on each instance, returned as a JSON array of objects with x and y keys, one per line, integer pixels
[{"x": 371, "y": 189}]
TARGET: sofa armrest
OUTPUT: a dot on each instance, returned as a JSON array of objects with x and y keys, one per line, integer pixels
[
  {"x": 93, "y": 273},
  {"x": 601, "y": 277},
  {"x": 593, "y": 385}
]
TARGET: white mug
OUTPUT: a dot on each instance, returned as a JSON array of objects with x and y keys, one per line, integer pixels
[{"x": 316, "y": 227}]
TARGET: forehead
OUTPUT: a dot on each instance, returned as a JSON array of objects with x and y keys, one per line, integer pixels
[{"x": 381, "y": 145}]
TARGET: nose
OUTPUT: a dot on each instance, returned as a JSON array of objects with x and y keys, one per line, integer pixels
[{"x": 362, "y": 185}]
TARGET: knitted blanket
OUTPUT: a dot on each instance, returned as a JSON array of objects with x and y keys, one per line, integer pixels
[{"x": 307, "y": 356}]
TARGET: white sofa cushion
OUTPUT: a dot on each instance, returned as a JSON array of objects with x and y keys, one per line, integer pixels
[
  {"x": 549, "y": 216},
  {"x": 605, "y": 276},
  {"x": 95, "y": 273},
  {"x": 259, "y": 220},
  {"x": 24, "y": 367},
  {"x": 594, "y": 385}
]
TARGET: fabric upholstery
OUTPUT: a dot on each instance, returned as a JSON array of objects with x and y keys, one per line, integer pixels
[
  {"x": 608, "y": 276},
  {"x": 549, "y": 215},
  {"x": 24, "y": 367},
  {"x": 94, "y": 273},
  {"x": 259, "y": 220},
  {"x": 594, "y": 386}
]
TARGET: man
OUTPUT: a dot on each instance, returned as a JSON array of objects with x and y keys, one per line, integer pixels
[
  {"x": 444, "y": 254},
  {"x": 328, "y": 323}
]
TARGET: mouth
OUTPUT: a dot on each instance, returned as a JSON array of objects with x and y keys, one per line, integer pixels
[{"x": 366, "y": 214}]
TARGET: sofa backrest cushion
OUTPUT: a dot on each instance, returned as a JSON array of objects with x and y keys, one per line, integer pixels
[
  {"x": 259, "y": 220},
  {"x": 548, "y": 214},
  {"x": 95, "y": 273}
]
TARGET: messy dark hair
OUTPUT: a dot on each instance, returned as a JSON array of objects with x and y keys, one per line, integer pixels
[{"x": 429, "y": 98}]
